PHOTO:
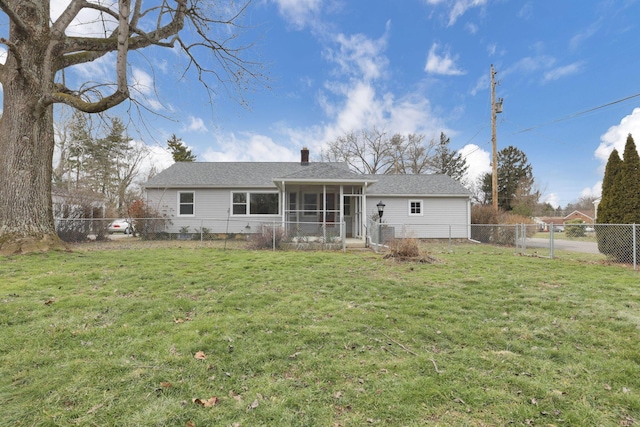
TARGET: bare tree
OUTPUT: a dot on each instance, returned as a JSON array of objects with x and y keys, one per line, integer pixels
[
  {"x": 366, "y": 152},
  {"x": 374, "y": 152},
  {"x": 411, "y": 154},
  {"x": 39, "y": 49}
]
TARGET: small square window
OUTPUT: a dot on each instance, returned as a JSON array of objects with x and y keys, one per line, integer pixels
[{"x": 415, "y": 207}]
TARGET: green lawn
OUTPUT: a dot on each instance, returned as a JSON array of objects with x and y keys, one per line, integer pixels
[{"x": 481, "y": 338}]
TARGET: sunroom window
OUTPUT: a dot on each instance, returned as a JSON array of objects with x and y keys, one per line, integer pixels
[{"x": 248, "y": 203}]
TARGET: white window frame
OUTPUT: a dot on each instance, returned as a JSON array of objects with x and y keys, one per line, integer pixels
[
  {"x": 193, "y": 204},
  {"x": 311, "y": 212},
  {"x": 420, "y": 205},
  {"x": 248, "y": 203},
  {"x": 245, "y": 203}
]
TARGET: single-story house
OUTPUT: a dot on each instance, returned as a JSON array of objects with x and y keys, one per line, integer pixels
[
  {"x": 559, "y": 222},
  {"x": 586, "y": 217},
  {"x": 307, "y": 199}
]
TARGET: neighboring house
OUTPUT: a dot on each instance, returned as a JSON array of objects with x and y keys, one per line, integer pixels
[
  {"x": 544, "y": 223},
  {"x": 588, "y": 218},
  {"x": 548, "y": 221},
  {"x": 77, "y": 204},
  {"x": 307, "y": 198}
]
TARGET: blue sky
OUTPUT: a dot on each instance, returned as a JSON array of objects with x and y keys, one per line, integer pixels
[{"x": 422, "y": 66}]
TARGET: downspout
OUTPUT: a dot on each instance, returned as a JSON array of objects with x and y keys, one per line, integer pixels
[
  {"x": 469, "y": 222},
  {"x": 324, "y": 212},
  {"x": 343, "y": 227},
  {"x": 283, "y": 199},
  {"x": 364, "y": 230}
]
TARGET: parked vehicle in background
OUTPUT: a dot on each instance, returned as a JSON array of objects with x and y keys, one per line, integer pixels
[{"x": 121, "y": 225}]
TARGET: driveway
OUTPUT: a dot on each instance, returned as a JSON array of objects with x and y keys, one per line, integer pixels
[{"x": 564, "y": 245}]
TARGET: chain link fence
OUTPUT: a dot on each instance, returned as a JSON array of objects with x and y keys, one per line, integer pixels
[
  {"x": 618, "y": 242},
  {"x": 256, "y": 234}
]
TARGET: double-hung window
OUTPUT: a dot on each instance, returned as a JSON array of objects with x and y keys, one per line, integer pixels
[
  {"x": 248, "y": 203},
  {"x": 415, "y": 208},
  {"x": 186, "y": 203}
]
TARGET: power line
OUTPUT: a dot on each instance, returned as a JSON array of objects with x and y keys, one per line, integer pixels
[{"x": 571, "y": 116}]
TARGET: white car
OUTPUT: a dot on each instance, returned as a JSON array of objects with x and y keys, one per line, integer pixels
[{"x": 121, "y": 225}]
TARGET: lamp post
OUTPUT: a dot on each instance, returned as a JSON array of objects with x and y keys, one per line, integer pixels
[{"x": 380, "y": 207}]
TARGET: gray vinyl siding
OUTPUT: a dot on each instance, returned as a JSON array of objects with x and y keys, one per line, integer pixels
[
  {"x": 442, "y": 217},
  {"x": 212, "y": 210}
]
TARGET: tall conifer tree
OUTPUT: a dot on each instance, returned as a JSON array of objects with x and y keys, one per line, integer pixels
[
  {"x": 607, "y": 213},
  {"x": 630, "y": 184}
]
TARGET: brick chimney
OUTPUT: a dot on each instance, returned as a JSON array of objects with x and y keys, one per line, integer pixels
[{"x": 304, "y": 156}]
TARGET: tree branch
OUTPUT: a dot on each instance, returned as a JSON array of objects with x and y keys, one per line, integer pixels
[{"x": 13, "y": 17}]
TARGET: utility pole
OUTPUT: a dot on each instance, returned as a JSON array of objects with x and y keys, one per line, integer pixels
[{"x": 496, "y": 107}]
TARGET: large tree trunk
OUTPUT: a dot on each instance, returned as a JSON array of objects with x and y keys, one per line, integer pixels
[{"x": 26, "y": 144}]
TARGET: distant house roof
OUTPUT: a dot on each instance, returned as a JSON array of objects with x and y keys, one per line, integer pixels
[
  {"x": 268, "y": 174},
  {"x": 586, "y": 215}
]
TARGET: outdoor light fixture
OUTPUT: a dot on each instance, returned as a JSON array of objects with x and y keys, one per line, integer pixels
[
  {"x": 247, "y": 227},
  {"x": 380, "y": 206}
]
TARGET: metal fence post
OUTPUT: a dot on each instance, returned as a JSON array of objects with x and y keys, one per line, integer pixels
[
  {"x": 551, "y": 242},
  {"x": 635, "y": 266}
]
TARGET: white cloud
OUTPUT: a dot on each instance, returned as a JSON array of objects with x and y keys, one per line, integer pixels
[
  {"x": 98, "y": 69},
  {"x": 479, "y": 162},
  {"x": 249, "y": 148},
  {"x": 359, "y": 56},
  {"x": 581, "y": 37},
  {"x": 530, "y": 64},
  {"x": 564, "y": 71},
  {"x": 156, "y": 160},
  {"x": 196, "y": 124},
  {"x": 595, "y": 191},
  {"x": 142, "y": 84},
  {"x": 552, "y": 199},
  {"x": 457, "y": 8},
  {"x": 526, "y": 12},
  {"x": 299, "y": 13},
  {"x": 616, "y": 136},
  {"x": 89, "y": 22},
  {"x": 444, "y": 65}
]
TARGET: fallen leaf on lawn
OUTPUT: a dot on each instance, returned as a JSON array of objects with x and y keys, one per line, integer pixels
[
  {"x": 200, "y": 355},
  {"x": 207, "y": 403},
  {"x": 607, "y": 387},
  {"x": 625, "y": 390},
  {"x": 254, "y": 405},
  {"x": 534, "y": 401},
  {"x": 165, "y": 384},
  {"x": 49, "y": 302},
  {"x": 235, "y": 396},
  {"x": 294, "y": 355},
  {"x": 178, "y": 320},
  {"x": 338, "y": 395},
  {"x": 190, "y": 424}
]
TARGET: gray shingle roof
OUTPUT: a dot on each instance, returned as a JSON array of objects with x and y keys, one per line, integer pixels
[
  {"x": 407, "y": 185},
  {"x": 263, "y": 174}
]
